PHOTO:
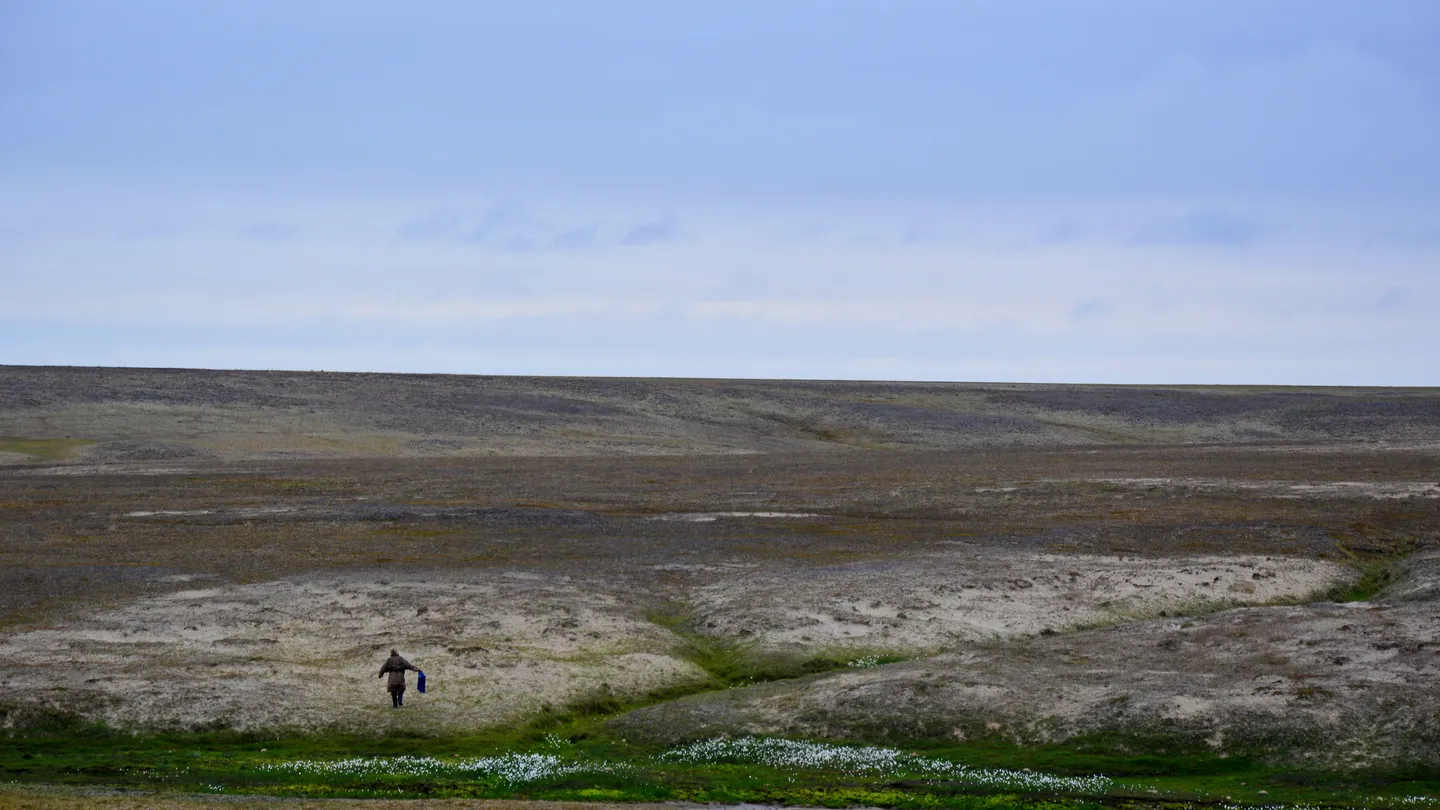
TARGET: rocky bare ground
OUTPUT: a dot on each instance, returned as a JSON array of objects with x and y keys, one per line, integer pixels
[
  {"x": 500, "y": 646},
  {"x": 942, "y": 600},
  {"x": 300, "y": 653},
  {"x": 239, "y": 550},
  {"x": 1334, "y": 684}
]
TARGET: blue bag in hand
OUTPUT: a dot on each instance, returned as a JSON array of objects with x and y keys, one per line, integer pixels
[{"x": 420, "y": 682}]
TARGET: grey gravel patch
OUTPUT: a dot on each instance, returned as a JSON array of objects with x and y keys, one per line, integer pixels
[
  {"x": 24, "y": 586},
  {"x": 1340, "y": 685},
  {"x": 1380, "y": 490},
  {"x": 146, "y": 450},
  {"x": 302, "y": 653},
  {"x": 1420, "y": 580},
  {"x": 376, "y": 512},
  {"x": 77, "y": 470},
  {"x": 710, "y": 517},
  {"x": 168, "y": 414}
]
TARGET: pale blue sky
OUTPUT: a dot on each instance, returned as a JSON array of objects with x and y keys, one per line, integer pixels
[{"x": 1067, "y": 190}]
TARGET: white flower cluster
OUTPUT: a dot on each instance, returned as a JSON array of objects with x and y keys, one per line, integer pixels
[
  {"x": 1228, "y": 806},
  {"x": 872, "y": 760},
  {"x": 780, "y": 753},
  {"x": 866, "y": 662},
  {"x": 511, "y": 768},
  {"x": 1005, "y": 779}
]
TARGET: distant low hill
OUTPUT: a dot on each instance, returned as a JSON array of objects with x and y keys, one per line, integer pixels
[{"x": 53, "y": 414}]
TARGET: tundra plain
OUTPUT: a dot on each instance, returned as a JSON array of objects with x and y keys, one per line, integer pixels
[{"x": 1250, "y": 571}]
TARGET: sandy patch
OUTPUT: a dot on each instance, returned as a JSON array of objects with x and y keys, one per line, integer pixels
[
  {"x": 305, "y": 653},
  {"x": 943, "y": 600}
]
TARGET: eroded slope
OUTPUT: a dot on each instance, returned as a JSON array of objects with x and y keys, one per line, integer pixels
[
  {"x": 1338, "y": 684},
  {"x": 303, "y": 653},
  {"x": 501, "y": 648}
]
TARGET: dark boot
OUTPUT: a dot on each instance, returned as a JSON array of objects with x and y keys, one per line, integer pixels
[{"x": 395, "y": 700}]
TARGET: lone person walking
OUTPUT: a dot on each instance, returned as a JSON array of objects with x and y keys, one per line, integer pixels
[{"x": 395, "y": 666}]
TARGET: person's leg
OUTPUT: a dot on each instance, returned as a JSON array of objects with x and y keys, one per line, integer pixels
[
  {"x": 400, "y": 696},
  {"x": 394, "y": 698}
]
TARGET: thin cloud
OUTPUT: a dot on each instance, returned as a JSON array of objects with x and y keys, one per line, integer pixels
[
  {"x": 438, "y": 225},
  {"x": 1061, "y": 233},
  {"x": 1393, "y": 300},
  {"x": 359, "y": 311},
  {"x": 270, "y": 232},
  {"x": 500, "y": 215},
  {"x": 1405, "y": 239},
  {"x": 449, "y": 224},
  {"x": 577, "y": 238},
  {"x": 1214, "y": 228},
  {"x": 661, "y": 230}
]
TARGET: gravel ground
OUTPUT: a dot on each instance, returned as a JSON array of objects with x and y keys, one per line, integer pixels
[
  {"x": 174, "y": 414},
  {"x": 301, "y": 652},
  {"x": 1337, "y": 684},
  {"x": 942, "y": 600},
  {"x": 186, "y": 549}
]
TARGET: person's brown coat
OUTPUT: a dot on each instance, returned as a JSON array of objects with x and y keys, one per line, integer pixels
[{"x": 396, "y": 666}]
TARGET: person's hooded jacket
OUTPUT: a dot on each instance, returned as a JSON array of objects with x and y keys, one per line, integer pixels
[{"x": 395, "y": 666}]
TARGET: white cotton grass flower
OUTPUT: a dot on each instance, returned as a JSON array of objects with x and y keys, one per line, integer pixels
[
  {"x": 1228, "y": 806},
  {"x": 509, "y": 768},
  {"x": 872, "y": 761},
  {"x": 791, "y": 754}
]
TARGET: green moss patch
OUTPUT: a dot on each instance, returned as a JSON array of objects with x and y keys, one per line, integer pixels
[
  {"x": 761, "y": 770},
  {"x": 43, "y": 449}
]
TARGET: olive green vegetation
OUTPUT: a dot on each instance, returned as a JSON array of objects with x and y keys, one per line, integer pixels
[
  {"x": 727, "y": 663},
  {"x": 1146, "y": 773},
  {"x": 1374, "y": 578},
  {"x": 740, "y": 662},
  {"x": 1377, "y": 572},
  {"x": 42, "y": 449}
]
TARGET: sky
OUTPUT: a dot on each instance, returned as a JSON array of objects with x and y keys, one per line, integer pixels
[{"x": 1105, "y": 191}]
